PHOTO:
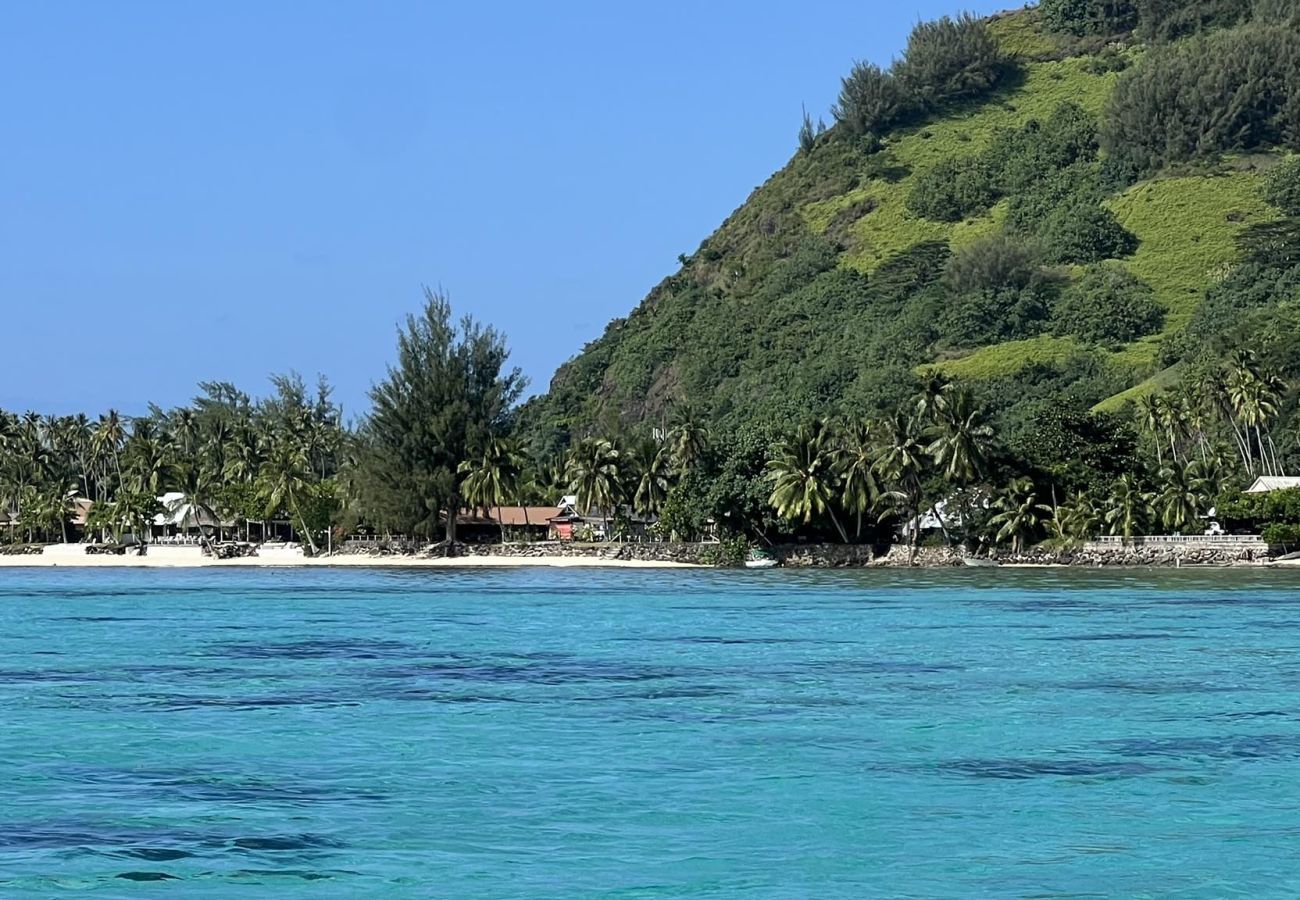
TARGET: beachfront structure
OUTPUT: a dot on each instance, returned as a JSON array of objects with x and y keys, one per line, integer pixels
[
  {"x": 570, "y": 523},
  {"x": 1266, "y": 484},
  {"x": 522, "y": 523}
]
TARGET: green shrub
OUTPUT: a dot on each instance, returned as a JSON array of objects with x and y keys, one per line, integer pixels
[
  {"x": 952, "y": 190},
  {"x": 1279, "y": 534},
  {"x": 1089, "y": 16},
  {"x": 871, "y": 100},
  {"x": 1283, "y": 187},
  {"x": 1168, "y": 20},
  {"x": 1022, "y": 157},
  {"x": 1076, "y": 184},
  {"x": 999, "y": 260},
  {"x": 950, "y": 59},
  {"x": 1108, "y": 306},
  {"x": 995, "y": 314},
  {"x": 996, "y": 292},
  {"x": 1083, "y": 233},
  {"x": 1221, "y": 91}
]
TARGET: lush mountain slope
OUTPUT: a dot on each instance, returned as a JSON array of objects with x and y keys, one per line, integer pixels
[{"x": 1008, "y": 222}]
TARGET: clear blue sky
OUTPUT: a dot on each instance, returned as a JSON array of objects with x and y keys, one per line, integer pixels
[{"x": 196, "y": 190}]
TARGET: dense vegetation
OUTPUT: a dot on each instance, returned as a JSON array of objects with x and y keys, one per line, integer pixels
[{"x": 1041, "y": 276}]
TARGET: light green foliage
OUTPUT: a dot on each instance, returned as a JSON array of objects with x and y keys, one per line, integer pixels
[
  {"x": 966, "y": 131},
  {"x": 1187, "y": 229},
  {"x": 1008, "y": 358}
]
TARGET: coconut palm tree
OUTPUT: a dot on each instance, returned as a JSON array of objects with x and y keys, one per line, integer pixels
[
  {"x": 592, "y": 472},
  {"x": 1079, "y": 518},
  {"x": 493, "y": 478},
  {"x": 855, "y": 465},
  {"x": 902, "y": 464},
  {"x": 650, "y": 468},
  {"x": 1128, "y": 509},
  {"x": 962, "y": 441},
  {"x": 1178, "y": 504},
  {"x": 803, "y": 477},
  {"x": 283, "y": 482},
  {"x": 932, "y": 401},
  {"x": 1151, "y": 416},
  {"x": 1020, "y": 515},
  {"x": 688, "y": 439}
]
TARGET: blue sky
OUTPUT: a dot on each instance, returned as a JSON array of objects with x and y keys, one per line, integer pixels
[{"x": 195, "y": 190}]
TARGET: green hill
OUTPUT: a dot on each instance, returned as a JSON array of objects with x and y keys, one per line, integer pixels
[{"x": 1057, "y": 205}]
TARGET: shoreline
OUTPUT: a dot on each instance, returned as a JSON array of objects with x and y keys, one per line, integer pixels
[{"x": 38, "y": 561}]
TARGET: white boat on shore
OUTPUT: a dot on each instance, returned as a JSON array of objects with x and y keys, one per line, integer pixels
[
  {"x": 977, "y": 562},
  {"x": 757, "y": 559}
]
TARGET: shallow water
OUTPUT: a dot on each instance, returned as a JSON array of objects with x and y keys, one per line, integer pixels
[{"x": 595, "y": 733}]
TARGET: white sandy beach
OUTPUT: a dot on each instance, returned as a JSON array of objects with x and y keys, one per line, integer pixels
[{"x": 163, "y": 557}]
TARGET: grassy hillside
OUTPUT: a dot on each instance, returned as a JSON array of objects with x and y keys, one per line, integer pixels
[{"x": 946, "y": 238}]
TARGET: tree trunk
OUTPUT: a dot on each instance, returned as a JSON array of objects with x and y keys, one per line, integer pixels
[
  {"x": 844, "y": 537},
  {"x": 502, "y": 523}
]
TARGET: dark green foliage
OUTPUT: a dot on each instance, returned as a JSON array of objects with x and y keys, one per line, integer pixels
[
  {"x": 996, "y": 291},
  {"x": 1074, "y": 185},
  {"x": 1020, "y": 162},
  {"x": 445, "y": 398},
  {"x": 945, "y": 61},
  {"x": 1074, "y": 449},
  {"x": 1089, "y": 16},
  {"x": 953, "y": 190},
  {"x": 1109, "y": 307},
  {"x": 1242, "y": 308},
  {"x": 1023, "y": 157},
  {"x": 809, "y": 133},
  {"x": 1168, "y": 20},
  {"x": 995, "y": 314},
  {"x": 1283, "y": 187},
  {"x": 1081, "y": 232},
  {"x": 996, "y": 261},
  {"x": 1221, "y": 91},
  {"x": 950, "y": 59},
  {"x": 871, "y": 100}
]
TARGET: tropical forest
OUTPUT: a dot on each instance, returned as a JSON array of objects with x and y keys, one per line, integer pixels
[{"x": 1034, "y": 281}]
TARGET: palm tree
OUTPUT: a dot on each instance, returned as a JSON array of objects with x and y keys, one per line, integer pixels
[
  {"x": 1128, "y": 509},
  {"x": 650, "y": 467},
  {"x": 688, "y": 439},
  {"x": 1021, "y": 515},
  {"x": 802, "y": 472},
  {"x": 197, "y": 484},
  {"x": 283, "y": 482},
  {"x": 902, "y": 463},
  {"x": 1178, "y": 503},
  {"x": 932, "y": 401},
  {"x": 1152, "y": 417},
  {"x": 1079, "y": 518},
  {"x": 494, "y": 478},
  {"x": 592, "y": 471},
  {"x": 961, "y": 444},
  {"x": 855, "y": 465}
]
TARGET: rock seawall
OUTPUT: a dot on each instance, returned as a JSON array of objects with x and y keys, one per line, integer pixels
[{"x": 827, "y": 556}]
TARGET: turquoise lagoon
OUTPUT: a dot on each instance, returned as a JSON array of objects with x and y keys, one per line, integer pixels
[{"x": 658, "y": 734}]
